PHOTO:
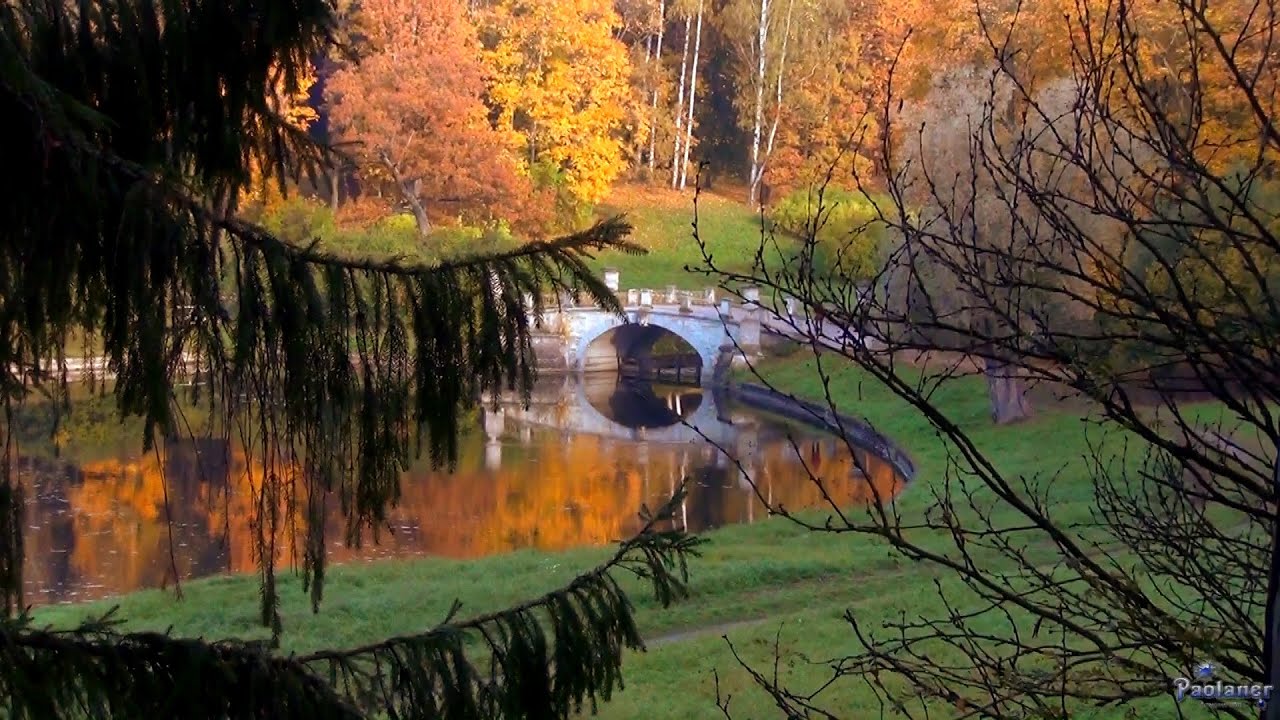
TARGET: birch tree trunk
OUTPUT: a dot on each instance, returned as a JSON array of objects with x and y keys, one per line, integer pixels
[
  {"x": 777, "y": 106},
  {"x": 762, "y": 37},
  {"x": 684, "y": 62},
  {"x": 693, "y": 94},
  {"x": 643, "y": 145},
  {"x": 656, "y": 74}
]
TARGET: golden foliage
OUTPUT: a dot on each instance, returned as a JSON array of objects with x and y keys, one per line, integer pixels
[{"x": 560, "y": 82}]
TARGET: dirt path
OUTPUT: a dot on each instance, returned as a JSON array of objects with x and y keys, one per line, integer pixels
[{"x": 694, "y": 633}]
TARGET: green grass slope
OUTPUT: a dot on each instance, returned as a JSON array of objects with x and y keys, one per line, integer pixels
[{"x": 663, "y": 222}]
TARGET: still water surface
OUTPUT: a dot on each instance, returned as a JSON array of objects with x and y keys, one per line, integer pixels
[{"x": 570, "y": 470}]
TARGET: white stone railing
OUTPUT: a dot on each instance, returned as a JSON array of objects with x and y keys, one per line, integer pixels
[{"x": 671, "y": 296}]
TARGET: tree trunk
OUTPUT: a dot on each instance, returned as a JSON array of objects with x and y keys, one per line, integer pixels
[
  {"x": 409, "y": 192},
  {"x": 418, "y": 209},
  {"x": 639, "y": 140},
  {"x": 657, "y": 75},
  {"x": 762, "y": 36},
  {"x": 684, "y": 64},
  {"x": 1007, "y": 391},
  {"x": 693, "y": 94},
  {"x": 777, "y": 105}
]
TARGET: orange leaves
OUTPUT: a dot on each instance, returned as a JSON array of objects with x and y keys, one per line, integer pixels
[
  {"x": 413, "y": 106},
  {"x": 826, "y": 123}
]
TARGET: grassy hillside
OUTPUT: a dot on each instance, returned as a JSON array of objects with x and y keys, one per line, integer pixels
[{"x": 663, "y": 224}]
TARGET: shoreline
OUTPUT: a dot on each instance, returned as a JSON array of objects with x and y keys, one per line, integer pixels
[{"x": 855, "y": 431}]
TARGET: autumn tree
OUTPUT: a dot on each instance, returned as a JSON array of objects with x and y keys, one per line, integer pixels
[
  {"x": 412, "y": 107},
  {"x": 684, "y": 116},
  {"x": 1106, "y": 229},
  {"x": 333, "y": 371},
  {"x": 764, "y": 31},
  {"x": 828, "y": 121},
  {"x": 655, "y": 79},
  {"x": 641, "y": 28},
  {"x": 560, "y": 88}
]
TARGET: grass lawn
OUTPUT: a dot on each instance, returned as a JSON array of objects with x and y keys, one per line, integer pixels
[
  {"x": 663, "y": 225},
  {"x": 754, "y": 583}
]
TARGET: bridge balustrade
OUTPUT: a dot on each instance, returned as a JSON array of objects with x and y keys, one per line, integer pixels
[{"x": 633, "y": 297}]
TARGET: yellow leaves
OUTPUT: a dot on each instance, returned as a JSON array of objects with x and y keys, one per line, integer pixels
[
  {"x": 560, "y": 83},
  {"x": 295, "y": 108}
]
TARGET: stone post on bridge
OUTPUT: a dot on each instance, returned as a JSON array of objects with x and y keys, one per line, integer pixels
[
  {"x": 646, "y": 307},
  {"x": 611, "y": 280},
  {"x": 686, "y": 302},
  {"x": 633, "y": 297}
]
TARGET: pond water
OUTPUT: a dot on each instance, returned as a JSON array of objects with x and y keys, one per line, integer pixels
[{"x": 571, "y": 469}]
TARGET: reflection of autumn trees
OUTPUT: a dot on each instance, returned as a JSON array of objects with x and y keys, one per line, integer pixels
[{"x": 548, "y": 494}]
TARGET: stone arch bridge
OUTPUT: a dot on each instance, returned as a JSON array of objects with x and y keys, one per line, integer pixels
[{"x": 584, "y": 338}]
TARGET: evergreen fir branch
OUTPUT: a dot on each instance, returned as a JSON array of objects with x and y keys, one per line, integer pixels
[
  {"x": 547, "y": 657},
  {"x": 334, "y": 371}
]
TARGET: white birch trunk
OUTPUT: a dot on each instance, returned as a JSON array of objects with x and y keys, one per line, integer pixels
[
  {"x": 684, "y": 63},
  {"x": 693, "y": 95},
  {"x": 762, "y": 37},
  {"x": 777, "y": 107},
  {"x": 657, "y": 75}
]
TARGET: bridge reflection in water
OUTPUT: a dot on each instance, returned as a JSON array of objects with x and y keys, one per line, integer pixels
[{"x": 571, "y": 470}]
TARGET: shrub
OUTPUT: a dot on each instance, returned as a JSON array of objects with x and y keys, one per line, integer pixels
[
  {"x": 849, "y": 237},
  {"x": 302, "y": 221}
]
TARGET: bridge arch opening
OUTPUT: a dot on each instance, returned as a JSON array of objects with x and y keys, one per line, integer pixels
[{"x": 644, "y": 351}]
